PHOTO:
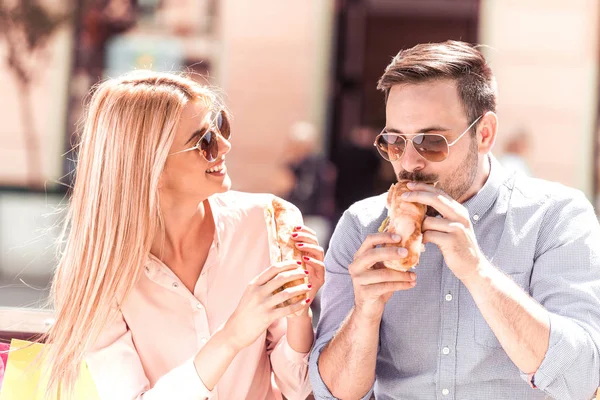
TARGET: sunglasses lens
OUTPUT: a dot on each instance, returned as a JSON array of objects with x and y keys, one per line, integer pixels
[
  {"x": 390, "y": 147},
  {"x": 431, "y": 147},
  {"x": 209, "y": 147},
  {"x": 223, "y": 125}
]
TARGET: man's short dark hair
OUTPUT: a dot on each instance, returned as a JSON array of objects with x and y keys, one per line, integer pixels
[{"x": 458, "y": 61}]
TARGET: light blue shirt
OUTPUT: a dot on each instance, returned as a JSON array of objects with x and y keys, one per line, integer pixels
[{"x": 434, "y": 342}]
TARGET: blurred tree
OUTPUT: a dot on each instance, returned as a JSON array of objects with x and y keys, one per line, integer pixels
[{"x": 26, "y": 27}]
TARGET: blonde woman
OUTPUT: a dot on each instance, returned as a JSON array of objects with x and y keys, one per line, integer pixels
[{"x": 165, "y": 284}]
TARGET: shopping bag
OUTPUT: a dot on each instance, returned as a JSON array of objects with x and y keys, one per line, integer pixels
[{"x": 24, "y": 379}]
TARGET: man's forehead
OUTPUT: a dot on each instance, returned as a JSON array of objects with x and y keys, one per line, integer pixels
[{"x": 424, "y": 104}]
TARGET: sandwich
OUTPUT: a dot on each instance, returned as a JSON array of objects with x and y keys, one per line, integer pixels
[
  {"x": 282, "y": 217},
  {"x": 404, "y": 219}
]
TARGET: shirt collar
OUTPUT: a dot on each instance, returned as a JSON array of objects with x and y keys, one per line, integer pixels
[{"x": 480, "y": 204}]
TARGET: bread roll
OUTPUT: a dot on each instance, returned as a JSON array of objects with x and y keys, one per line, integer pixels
[
  {"x": 282, "y": 217},
  {"x": 405, "y": 219}
]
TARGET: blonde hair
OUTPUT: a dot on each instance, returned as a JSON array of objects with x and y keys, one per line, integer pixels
[{"x": 114, "y": 208}]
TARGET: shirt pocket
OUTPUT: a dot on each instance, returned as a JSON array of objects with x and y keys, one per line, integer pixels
[{"x": 483, "y": 334}]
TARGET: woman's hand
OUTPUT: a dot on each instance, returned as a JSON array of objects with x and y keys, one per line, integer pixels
[
  {"x": 312, "y": 255},
  {"x": 257, "y": 308}
]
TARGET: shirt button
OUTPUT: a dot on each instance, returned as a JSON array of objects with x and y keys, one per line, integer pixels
[
  {"x": 448, "y": 297},
  {"x": 476, "y": 217},
  {"x": 445, "y": 392},
  {"x": 175, "y": 285},
  {"x": 199, "y": 306},
  {"x": 446, "y": 350}
]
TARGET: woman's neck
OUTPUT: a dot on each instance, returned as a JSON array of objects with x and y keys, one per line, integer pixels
[{"x": 184, "y": 222}]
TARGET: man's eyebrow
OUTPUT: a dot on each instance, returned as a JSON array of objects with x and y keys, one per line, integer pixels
[
  {"x": 197, "y": 134},
  {"x": 433, "y": 128}
]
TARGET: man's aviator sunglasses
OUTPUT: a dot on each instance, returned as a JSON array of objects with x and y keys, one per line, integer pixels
[
  {"x": 208, "y": 143},
  {"x": 431, "y": 146}
]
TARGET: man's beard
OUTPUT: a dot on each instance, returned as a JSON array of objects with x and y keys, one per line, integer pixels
[{"x": 456, "y": 184}]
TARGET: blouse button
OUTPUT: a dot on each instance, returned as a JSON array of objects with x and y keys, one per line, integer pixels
[{"x": 175, "y": 285}]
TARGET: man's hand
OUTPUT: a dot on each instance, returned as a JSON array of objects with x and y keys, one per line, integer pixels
[
  {"x": 453, "y": 233},
  {"x": 373, "y": 283}
]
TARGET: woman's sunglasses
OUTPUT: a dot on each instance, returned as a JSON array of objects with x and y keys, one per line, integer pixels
[
  {"x": 208, "y": 144},
  {"x": 431, "y": 146}
]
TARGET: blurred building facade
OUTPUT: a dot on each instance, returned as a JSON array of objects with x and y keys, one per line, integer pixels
[{"x": 279, "y": 62}]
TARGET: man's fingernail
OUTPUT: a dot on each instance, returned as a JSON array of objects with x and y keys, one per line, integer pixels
[
  {"x": 405, "y": 194},
  {"x": 396, "y": 237},
  {"x": 412, "y": 283},
  {"x": 402, "y": 251},
  {"x": 413, "y": 276},
  {"x": 410, "y": 185}
]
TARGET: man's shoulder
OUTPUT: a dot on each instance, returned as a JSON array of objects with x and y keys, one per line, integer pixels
[
  {"x": 530, "y": 191},
  {"x": 368, "y": 213}
]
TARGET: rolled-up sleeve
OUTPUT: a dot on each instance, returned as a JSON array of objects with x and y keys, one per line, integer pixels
[
  {"x": 566, "y": 281},
  {"x": 290, "y": 368},
  {"x": 119, "y": 375},
  {"x": 337, "y": 295}
]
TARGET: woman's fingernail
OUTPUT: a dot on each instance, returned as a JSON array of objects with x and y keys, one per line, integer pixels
[
  {"x": 294, "y": 235},
  {"x": 309, "y": 285},
  {"x": 306, "y": 271},
  {"x": 396, "y": 237},
  {"x": 298, "y": 228},
  {"x": 305, "y": 258},
  {"x": 300, "y": 244},
  {"x": 402, "y": 251},
  {"x": 307, "y": 301},
  {"x": 298, "y": 262}
]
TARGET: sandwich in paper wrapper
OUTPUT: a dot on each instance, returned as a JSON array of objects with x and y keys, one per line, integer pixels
[{"x": 282, "y": 217}]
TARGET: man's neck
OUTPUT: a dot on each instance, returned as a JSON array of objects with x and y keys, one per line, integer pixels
[{"x": 483, "y": 173}]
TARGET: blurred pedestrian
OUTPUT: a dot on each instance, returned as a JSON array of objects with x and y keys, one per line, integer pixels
[
  {"x": 358, "y": 167},
  {"x": 515, "y": 153}
]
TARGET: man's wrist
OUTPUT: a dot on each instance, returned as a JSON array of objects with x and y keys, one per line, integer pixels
[
  {"x": 360, "y": 316},
  {"x": 480, "y": 275}
]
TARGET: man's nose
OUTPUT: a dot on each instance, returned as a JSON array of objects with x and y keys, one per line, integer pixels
[{"x": 411, "y": 160}]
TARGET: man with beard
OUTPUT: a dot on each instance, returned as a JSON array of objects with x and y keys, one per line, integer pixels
[{"x": 505, "y": 301}]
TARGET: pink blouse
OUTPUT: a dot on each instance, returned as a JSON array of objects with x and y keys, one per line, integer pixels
[{"x": 148, "y": 352}]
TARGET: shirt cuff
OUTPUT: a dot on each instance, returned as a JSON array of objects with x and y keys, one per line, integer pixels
[
  {"x": 183, "y": 383},
  {"x": 562, "y": 352},
  {"x": 320, "y": 390}
]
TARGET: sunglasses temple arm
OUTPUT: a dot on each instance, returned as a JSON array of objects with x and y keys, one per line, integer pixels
[
  {"x": 183, "y": 151},
  {"x": 466, "y": 130}
]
